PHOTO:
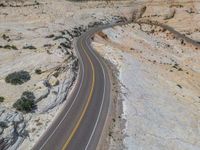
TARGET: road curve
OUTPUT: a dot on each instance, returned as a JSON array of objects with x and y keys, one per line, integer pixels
[{"x": 79, "y": 125}]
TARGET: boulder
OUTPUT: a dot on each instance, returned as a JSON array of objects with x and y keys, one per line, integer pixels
[
  {"x": 41, "y": 91},
  {"x": 170, "y": 14},
  {"x": 53, "y": 81}
]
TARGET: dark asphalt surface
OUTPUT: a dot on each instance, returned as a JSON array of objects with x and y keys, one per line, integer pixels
[{"x": 80, "y": 123}]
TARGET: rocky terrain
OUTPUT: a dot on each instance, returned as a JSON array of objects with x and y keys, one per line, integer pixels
[
  {"x": 156, "y": 78},
  {"x": 158, "y": 71},
  {"x": 38, "y": 65}
]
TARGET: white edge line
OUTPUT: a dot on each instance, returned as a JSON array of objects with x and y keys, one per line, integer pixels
[
  {"x": 70, "y": 105},
  {"x": 101, "y": 103},
  {"x": 75, "y": 100}
]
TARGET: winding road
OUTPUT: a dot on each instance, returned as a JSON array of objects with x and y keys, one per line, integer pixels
[{"x": 80, "y": 124}]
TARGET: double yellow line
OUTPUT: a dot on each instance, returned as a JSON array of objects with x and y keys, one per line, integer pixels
[{"x": 87, "y": 104}]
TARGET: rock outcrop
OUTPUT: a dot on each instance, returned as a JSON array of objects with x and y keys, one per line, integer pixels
[{"x": 12, "y": 128}]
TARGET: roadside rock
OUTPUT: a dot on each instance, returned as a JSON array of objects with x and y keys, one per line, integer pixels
[
  {"x": 58, "y": 92},
  {"x": 53, "y": 81},
  {"x": 12, "y": 127},
  {"x": 138, "y": 13},
  {"x": 41, "y": 91},
  {"x": 170, "y": 14}
]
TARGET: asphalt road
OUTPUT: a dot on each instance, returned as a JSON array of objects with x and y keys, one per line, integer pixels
[{"x": 79, "y": 125}]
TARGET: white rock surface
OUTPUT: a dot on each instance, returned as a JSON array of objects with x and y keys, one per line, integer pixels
[
  {"x": 40, "y": 31},
  {"x": 12, "y": 126},
  {"x": 159, "y": 114}
]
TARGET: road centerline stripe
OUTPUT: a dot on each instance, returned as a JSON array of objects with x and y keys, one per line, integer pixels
[
  {"x": 81, "y": 69},
  {"x": 103, "y": 99},
  {"x": 87, "y": 104}
]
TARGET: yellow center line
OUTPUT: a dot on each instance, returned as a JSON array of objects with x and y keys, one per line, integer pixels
[{"x": 86, "y": 106}]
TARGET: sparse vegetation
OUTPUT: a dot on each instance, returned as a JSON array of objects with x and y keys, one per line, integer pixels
[
  {"x": 18, "y": 78},
  {"x": 2, "y": 99},
  {"x": 179, "y": 86},
  {"x": 26, "y": 102},
  {"x": 176, "y": 6},
  {"x": 48, "y": 45},
  {"x": 38, "y": 71},
  {"x": 10, "y": 47},
  {"x": 182, "y": 42},
  {"x": 180, "y": 69},
  {"x": 29, "y": 47},
  {"x": 56, "y": 74},
  {"x": 176, "y": 66},
  {"x": 110, "y": 133},
  {"x": 5, "y": 37}
]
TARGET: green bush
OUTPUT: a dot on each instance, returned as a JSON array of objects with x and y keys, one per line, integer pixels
[
  {"x": 11, "y": 47},
  {"x": 16, "y": 78},
  {"x": 1, "y": 98},
  {"x": 26, "y": 102},
  {"x": 38, "y": 71}
]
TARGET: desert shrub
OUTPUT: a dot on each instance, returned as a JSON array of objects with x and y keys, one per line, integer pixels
[
  {"x": 50, "y": 36},
  {"x": 38, "y": 71},
  {"x": 179, "y": 86},
  {"x": 28, "y": 95},
  {"x": 10, "y": 47},
  {"x": 29, "y": 47},
  {"x": 180, "y": 69},
  {"x": 17, "y": 78},
  {"x": 1, "y": 98},
  {"x": 26, "y": 102},
  {"x": 5, "y": 37}
]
